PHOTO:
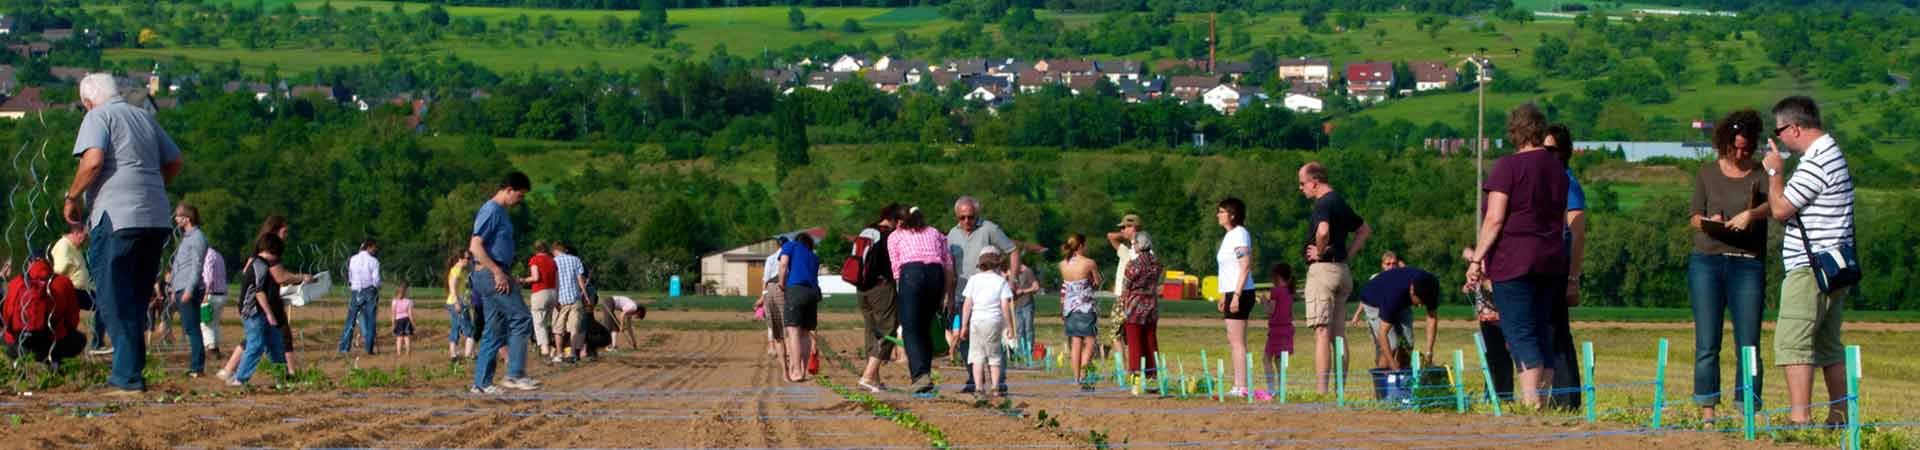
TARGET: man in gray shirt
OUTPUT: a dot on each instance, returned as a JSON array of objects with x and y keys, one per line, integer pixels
[
  {"x": 965, "y": 241},
  {"x": 126, "y": 161},
  {"x": 187, "y": 289}
]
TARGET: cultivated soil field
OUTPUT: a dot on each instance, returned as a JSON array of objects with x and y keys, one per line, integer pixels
[{"x": 703, "y": 380}]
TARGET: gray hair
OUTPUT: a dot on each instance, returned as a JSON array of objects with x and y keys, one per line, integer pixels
[
  {"x": 1798, "y": 110},
  {"x": 99, "y": 88},
  {"x": 968, "y": 201},
  {"x": 1142, "y": 242}
]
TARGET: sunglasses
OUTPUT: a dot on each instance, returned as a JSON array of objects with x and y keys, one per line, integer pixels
[{"x": 1782, "y": 128}]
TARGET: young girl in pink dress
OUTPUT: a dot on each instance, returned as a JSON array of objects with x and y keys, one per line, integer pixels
[{"x": 1279, "y": 322}]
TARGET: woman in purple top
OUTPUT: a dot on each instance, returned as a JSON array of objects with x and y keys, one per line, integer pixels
[{"x": 1519, "y": 246}]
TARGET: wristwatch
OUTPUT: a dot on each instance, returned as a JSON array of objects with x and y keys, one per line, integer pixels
[{"x": 1771, "y": 172}]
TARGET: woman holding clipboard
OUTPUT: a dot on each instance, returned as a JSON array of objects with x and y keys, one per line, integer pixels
[{"x": 1725, "y": 272}]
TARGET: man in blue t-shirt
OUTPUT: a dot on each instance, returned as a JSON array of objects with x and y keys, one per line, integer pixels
[
  {"x": 1387, "y": 302},
  {"x": 510, "y": 322}
]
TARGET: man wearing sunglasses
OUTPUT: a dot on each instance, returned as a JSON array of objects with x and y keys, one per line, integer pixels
[
  {"x": 1817, "y": 205},
  {"x": 965, "y": 240}
]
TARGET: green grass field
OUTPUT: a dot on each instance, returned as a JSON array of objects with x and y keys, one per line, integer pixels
[{"x": 744, "y": 31}]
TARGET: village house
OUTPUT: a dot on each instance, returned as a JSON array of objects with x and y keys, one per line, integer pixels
[
  {"x": 1369, "y": 81},
  {"x": 824, "y": 81},
  {"x": 1432, "y": 75},
  {"x": 1119, "y": 71},
  {"x": 18, "y": 106},
  {"x": 852, "y": 62},
  {"x": 1191, "y": 87},
  {"x": 1233, "y": 70},
  {"x": 1311, "y": 70},
  {"x": 1228, "y": 98}
]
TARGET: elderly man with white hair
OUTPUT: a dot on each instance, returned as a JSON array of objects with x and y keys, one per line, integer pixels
[
  {"x": 120, "y": 192},
  {"x": 964, "y": 241}
]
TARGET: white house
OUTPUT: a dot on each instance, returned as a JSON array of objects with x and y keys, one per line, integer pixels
[
  {"x": 849, "y": 63},
  {"x": 1227, "y": 98},
  {"x": 738, "y": 271},
  {"x": 1304, "y": 103},
  {"x": 985, "y": 94}
]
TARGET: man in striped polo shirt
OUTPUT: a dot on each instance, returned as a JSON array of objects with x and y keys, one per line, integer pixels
[{"x": 1817, "y": 205}]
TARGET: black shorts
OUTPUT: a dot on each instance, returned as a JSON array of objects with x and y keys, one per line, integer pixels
[
  {"x": 403, "y": 326},
  {"x": 1247, "y": 300},
  {"x": 803, "y": 307}
]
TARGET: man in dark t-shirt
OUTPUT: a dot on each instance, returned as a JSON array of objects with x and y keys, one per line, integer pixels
[
  {"x": 1387, "y": 302},
  {"x": 1329, "y": 281}
]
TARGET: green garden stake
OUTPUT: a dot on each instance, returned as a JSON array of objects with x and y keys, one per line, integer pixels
[
  {"x": 1183, "y": 377},
  {"x": 1586, "y": 388},
  {"x": 1459, "y": 374},
  {"x": 1748, "y": 355},
  {"x": 1222, "y": 398},
  {"x": 1249, "y": 377},
  {"x": 1660, "y": 384},
  {"x": 1340, "y": 370},
  {"x": 1282, "y": 395},
  {"x": 1158, "y": 363},
  {"x": 1416, "y": 374},
  {"x": 1206, "y": 374},
  {"x": 1141, "y": 384},
  {"x": 1486, "y": 373},
  {"x": 1853, "y": 397}
]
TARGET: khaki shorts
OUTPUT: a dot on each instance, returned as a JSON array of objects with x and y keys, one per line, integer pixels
[
  {"x": 566, "y": 318},
  {"x": 1327, "y": 289},
  {"x": 983, "y": 342},
  {"x": 1808, "y": 331}
]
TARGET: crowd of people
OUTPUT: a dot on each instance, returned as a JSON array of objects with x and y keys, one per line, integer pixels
[{"x": 969, "y": 285}]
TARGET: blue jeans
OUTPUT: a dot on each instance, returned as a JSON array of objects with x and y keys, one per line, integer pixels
[
  {"x": 1526, "y": 315},
  {"x": 362, "y": 310},
  {"x": 457, "y": 325},
  {"x": 189, "y": 308},
  {"x": 1024, "y": 331},
  {"x": 124, "y": 264},
  {"x": 919, "y": 302},
  {"x": 261, "y": 339},
  {"x": 509, "y": 323},
  {"x": 1718, "y": 283},
  {"x": 99, "y": 322}
]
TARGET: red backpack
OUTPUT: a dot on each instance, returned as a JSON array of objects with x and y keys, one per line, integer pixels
[
  {"x": 853, "y": 270},
  {"x": 29, "y": 307}
]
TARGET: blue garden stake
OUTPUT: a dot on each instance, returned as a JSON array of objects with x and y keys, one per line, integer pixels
[
  {"x": 1586, "y": 388},
  {"x": 1486, "y": 373},
  {"x": 1459, "y": 374},
  {"x": 1660, "y": 385},
  {"x": 1340, "y": 370},
  {"x": 1284, "y": 356},
  {"x": 1748, "y": 357},
  {"x": 1853, "y": 397}
]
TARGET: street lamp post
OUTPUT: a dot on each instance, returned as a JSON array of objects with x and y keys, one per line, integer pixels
[{"x": 1480, "y": 141}]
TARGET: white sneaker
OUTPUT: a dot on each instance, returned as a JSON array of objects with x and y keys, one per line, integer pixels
[
  {"x": 872, "y": 386},
  {"x": 521, "y": 384},
  {"x": 101, "y": 351},
  {"x": 489, "y": 390},
  {"x": 224, "y": 375}
]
